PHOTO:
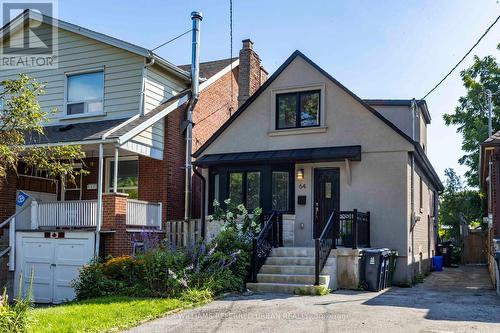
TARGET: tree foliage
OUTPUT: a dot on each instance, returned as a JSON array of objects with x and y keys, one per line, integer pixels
[
  {"x": 471, "y": 114},
  {"x": 458, "y": 203},
  {"x": 22, "y": 118}
]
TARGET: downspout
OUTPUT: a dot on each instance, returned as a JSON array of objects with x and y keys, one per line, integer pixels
[
  {"x": 142, "y": 102},
  {"x": 203, "y": 191},
  {"x": 195, "y": 92},
  {"x": 412, "y": 187}
]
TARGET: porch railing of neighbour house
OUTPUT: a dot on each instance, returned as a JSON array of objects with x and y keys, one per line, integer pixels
[
  {"x": 143, "y": 214},
  {"x": 271, "y": 235},
  {"x": 345, "y": 229},
  {"x": 67, "y": 214}
]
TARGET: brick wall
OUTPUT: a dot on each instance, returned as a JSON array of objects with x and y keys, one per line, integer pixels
[
  {"x": 117, "y": 242},
  {"x": 7, "y": 197}
]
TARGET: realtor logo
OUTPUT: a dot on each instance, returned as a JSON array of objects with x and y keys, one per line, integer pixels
[{"x": 28, "y": 38}]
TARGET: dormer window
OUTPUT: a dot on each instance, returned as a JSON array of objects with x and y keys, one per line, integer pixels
[
  {"x": 85, "y": 93},
  {"x": 298, "y": 109}
]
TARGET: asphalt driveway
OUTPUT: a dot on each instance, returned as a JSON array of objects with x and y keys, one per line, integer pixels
[{"x": 455, "y": 300}]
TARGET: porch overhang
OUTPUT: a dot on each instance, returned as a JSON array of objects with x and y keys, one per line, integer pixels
[{"x": 322, "y": 154}]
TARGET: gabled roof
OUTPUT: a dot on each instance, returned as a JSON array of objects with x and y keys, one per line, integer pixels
[
  {"x": 210, "y": 68},
  {"x": 17, "y": 23},
  {"x": 421, "y": 156},
  {"x": 402, "y": 102}
]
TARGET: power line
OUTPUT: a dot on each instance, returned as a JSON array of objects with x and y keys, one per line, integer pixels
[
  {"x": 231, "y": 50},
  {"x": 171, "y": 40},
  {"x": 463, "y": 58}
]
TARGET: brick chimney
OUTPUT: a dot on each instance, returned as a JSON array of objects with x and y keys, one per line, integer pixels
[{"x": 251, "y": 73}]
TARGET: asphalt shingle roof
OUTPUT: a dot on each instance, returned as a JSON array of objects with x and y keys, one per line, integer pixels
[
  {"x": 210, "y": 68},
  {"x": 73, "y": 132}
]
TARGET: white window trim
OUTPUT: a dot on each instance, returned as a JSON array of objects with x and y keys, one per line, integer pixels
[
  {"x": 107, "y": 179},
  {"x": 289, "y": 89},
  {"x": 84, "y": 114}
]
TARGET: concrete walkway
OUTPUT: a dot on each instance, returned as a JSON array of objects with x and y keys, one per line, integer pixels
[{"x": 455, "y": 300}]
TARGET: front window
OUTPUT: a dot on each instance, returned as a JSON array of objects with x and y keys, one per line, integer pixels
[
  {"x": 128, "y": 177},
  {"x": 85, "y": 93},
  {"x": 298, "y": 109},
  {"x": 244, "y": 187},
  {"x": 280, "y": 190}
]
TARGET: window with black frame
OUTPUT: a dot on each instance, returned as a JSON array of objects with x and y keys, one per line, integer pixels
[
  {"x": 297, "y": 109},
  {"x": 244, "y": 187}
]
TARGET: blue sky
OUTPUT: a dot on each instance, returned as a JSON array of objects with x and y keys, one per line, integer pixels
[{"x": 378, "y": 49}]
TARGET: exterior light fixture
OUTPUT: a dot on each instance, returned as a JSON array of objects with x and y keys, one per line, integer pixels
[{"x": 300, "y": 174}]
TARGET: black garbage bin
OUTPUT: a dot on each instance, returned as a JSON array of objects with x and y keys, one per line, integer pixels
[
  {"x": 445, "y": 249},
  {"x": 376, "y": 268}
]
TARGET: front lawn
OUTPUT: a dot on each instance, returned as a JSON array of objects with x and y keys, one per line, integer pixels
[{"x": 101, "y": 314}]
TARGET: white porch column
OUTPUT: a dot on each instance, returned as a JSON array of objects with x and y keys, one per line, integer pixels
[
  {"x": 115, "y": 171},
  {"x": 99, "y": 199}
]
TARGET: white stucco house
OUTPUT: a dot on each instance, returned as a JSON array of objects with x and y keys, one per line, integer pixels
[{"x": 306, "y": 147}]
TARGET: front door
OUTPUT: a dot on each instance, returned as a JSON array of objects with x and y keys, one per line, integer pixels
[{"x": 326, "y": 196}]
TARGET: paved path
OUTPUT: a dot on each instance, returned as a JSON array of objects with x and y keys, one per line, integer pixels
[{"x": 456, "y": 300}]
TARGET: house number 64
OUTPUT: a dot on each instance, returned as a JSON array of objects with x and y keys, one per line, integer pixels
[{"x": 302, "y": 186}]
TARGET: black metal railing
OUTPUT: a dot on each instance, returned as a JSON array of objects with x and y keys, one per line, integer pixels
[
  {"x": 345, "y": 229},
  {"x": 323, "y": 245},
  {"x": 353, "y": 229},
  {"x": 271, "y": 235}
]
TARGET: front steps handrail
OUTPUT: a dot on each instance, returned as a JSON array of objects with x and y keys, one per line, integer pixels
[
  {"x": 271, "y": 235},
  {"x": 323, "y": 245}
]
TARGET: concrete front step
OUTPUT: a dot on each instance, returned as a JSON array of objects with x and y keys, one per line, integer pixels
[
  {"x": 291, "y": 278},
  {"x": 283, "y": 288},
  {"x": 290, "y": 261},
  {"x": 281, "y": 269},
  {"x": 293, "y": 252}
]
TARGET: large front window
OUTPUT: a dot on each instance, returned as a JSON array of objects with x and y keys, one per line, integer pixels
[
  {"x": 128, "y": 177},
  {"x": 297, "y": 109},
  {"x": 280, "y": 190},
  {"x": 244, "y": 187},
  {"x": 270, "y": 187},
  {"x": 85, "y": 93}
]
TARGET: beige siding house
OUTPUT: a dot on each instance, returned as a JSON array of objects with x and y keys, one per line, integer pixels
[{"x": 305, "y": 146}]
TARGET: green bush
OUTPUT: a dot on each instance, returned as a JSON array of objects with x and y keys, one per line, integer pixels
[
  {"x": 14, "y": 318},
  {"x": 218, "y": 266}
]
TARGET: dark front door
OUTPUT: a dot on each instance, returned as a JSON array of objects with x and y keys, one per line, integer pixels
[{"x": 326, "y": 196}]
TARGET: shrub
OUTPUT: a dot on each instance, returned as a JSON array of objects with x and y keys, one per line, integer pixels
[
  {"x": 220, "y": 265},
  {"x": 15, "y": 318}
]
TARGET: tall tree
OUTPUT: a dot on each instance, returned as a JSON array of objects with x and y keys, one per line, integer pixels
[
  {"x": 457, "y": 204},
  {"x": 471, "y": 114},
  {"x": 21, "y": 117}
]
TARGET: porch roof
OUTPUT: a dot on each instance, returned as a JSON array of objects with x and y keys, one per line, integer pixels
[
  {"x": 322, "y": 154},
  {"x": 78, "y": 132}
]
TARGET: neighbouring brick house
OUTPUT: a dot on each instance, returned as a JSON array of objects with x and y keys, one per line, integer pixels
[
  {"x": 129, "y": 119},
  {"x": 489, "y": 175}
]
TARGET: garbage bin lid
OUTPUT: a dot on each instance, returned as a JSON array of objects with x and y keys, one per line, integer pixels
[{"x": 377, "y": 250}]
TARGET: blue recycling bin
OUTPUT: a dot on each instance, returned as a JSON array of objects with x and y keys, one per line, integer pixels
[{"x": 437, "y": 263}]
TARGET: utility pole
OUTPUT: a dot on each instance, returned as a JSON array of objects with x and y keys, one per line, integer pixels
[{"x": 490, "y": 110}]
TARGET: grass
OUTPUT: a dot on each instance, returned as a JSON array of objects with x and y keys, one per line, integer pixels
[{"x": 104, "y": 314}]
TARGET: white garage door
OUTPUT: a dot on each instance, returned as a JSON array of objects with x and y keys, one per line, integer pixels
[{"x": 54, "y": 259}]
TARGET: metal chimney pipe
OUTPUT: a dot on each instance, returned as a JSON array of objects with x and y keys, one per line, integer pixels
[{"x": 195, "y": 92}]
